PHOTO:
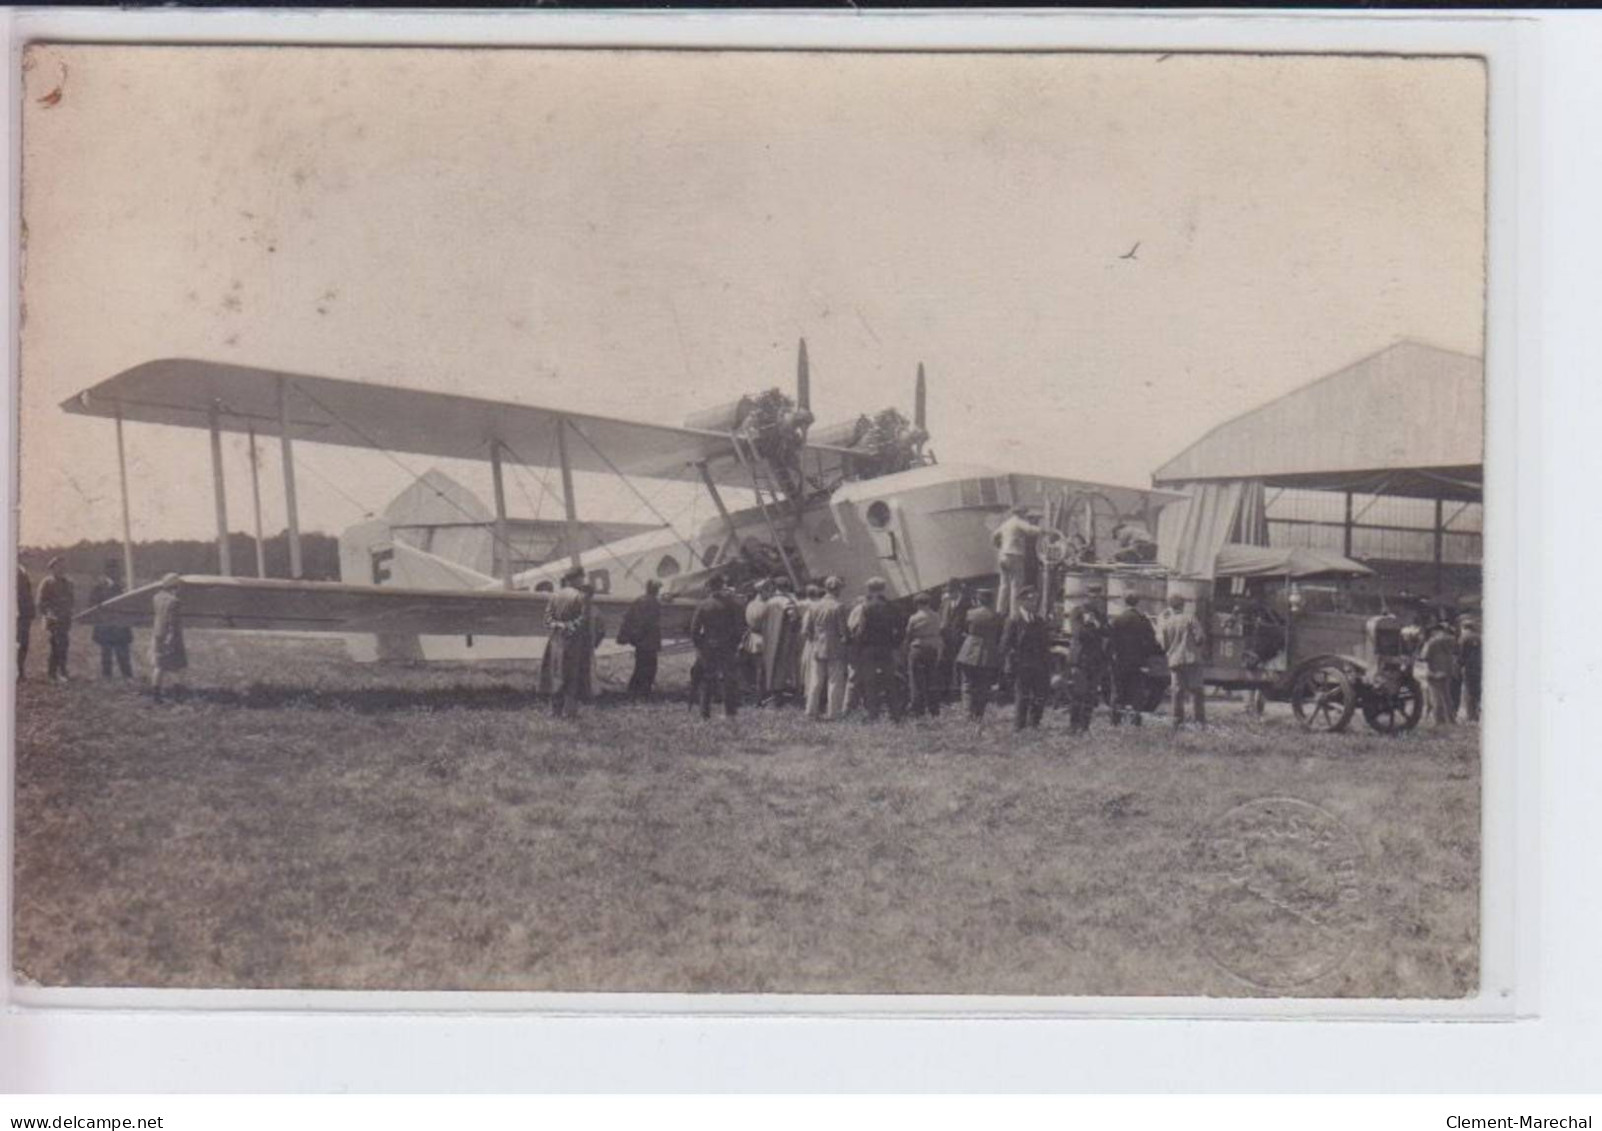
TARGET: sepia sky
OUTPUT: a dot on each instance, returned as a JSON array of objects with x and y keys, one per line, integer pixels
[{"x": 642, "y": 233}]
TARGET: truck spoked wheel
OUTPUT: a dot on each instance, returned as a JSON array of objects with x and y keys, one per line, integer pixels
[
  {"x": 1395, "y": 708},
  {"x": 1323, "y": 699}
]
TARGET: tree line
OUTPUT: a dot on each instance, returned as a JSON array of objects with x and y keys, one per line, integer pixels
[{"x": 85, "y": 559}]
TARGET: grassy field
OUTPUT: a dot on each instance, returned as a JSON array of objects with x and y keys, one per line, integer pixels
[{"x": 298, "y": 821}]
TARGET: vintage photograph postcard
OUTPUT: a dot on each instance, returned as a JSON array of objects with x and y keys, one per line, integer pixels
[{"x": 750, "y": 522}]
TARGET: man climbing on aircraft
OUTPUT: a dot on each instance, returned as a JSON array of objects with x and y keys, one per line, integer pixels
[{"x": 1012, "y": 548}]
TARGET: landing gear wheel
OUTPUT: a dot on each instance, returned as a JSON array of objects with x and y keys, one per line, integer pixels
[
  {"x": 1395, "y": 710},
  {"x": 1323, "y": 699}
]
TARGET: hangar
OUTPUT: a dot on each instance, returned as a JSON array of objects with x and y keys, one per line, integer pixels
[{"x": 1382, "y": 461}]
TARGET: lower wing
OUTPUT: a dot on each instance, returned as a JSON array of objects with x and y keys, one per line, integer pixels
[{"x": 323, "y": 606}]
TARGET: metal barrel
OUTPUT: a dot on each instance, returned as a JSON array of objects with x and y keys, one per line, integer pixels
[
  {"x": 1149, "y": 589},
  {"x": 1083, "y": 589}
]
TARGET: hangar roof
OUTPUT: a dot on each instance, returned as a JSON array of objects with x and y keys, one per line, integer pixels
[{"x": 1408, "y": 420}]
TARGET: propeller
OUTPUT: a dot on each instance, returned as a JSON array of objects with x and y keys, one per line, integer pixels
[{"x": 920, "y": 405}]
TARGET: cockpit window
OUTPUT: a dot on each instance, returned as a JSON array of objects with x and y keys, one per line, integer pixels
[{"x": 879, "y": 514}]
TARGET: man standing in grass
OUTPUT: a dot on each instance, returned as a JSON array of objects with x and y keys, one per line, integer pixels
[
  {"x": 877, "y": 641},
  {"x": 954, "y": 606},
  {"x": 1440, "y": 659},
  {"x": 925, "y": 645},
  {"x": 715, "y": 630},
  {"x": 567, "y": 645},
  {"x": 1026, "y": 648},
  {"x": 980, "y": 654},
  {"x": 642, "y": 629},
  {"x": 115, "y": 640},
  {"x": 167, "y": 651},
  {"x": 25, "y": 611},
  {"x": 1131, "y": 643},
  {"x": 1184, "y": 642},
  {"x": 56, "y": 603},
  {"x": 826, "y": 631}
]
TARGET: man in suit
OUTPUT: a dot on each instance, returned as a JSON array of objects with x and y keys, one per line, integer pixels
[
  {"x": 980, "y": 654},
  {"x": 1131, "y": 644},
  {"x": 115, "y": 640},
  {"x": 825, "y": 630},
  {"x": 56, "y": 602},
  {"x": 1087, "y": 668},
  {"x": 878, "y": 637},
  {"x": 716, "y": 630},
  {"x": 954, "y": 606},
  {"x": 642, "y": 629},
  {"x": 25, "y": 613},
  {"x": 1026, "y": 651}
]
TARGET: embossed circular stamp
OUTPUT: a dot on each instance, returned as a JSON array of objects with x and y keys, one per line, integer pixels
[{"x": 1283, "y": 892}]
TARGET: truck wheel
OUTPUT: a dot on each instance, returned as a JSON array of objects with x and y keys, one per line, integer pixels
[
  {"x": 1395, "y": 709},
  {"x": 1323, "y": 698}
]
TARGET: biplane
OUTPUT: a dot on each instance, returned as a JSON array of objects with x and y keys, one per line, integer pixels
[{"x": 829, "y": 506}]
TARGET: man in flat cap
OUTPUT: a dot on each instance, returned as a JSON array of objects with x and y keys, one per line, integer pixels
[
  {"x": 115, "y": 640},
  {"x": 1026, "y": 652},
  {"x": 56, "y": 602},
  {"x": 878, "y": 637},
  {"x": 716, "y": 629}
]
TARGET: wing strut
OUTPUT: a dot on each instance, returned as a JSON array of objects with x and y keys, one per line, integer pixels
[
  {"x": 627, "y": 482},
  {"x": 503, "y": 549},
  {"x": 723, "y": 511},
  {"x": 224, "y": 560},
  {"x": 255, "y": 498},
  {"x": 127, "y": 526},
  {"x": 762, "y": 484},
  {"x": 567, "y": 491},
  {"x": 291, "y": 508}
]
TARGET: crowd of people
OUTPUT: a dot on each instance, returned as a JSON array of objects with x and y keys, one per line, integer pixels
[
  {"x": 1447, "y": 667},
  {"x": 55, "y": 602},
  {"x": 829, "y": 654}
]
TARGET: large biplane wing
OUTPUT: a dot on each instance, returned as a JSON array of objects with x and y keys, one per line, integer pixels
[
  {"x": 322, "y": 606},
  {"x": 190, "y": 393}
]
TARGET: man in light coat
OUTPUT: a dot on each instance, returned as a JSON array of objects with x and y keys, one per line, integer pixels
[
  {"x": 1185, "y": 642},
  {"x": 826, "y": 631},
  {"x": 1012, "y": 548},
  {"x": 567, "y": 645}
]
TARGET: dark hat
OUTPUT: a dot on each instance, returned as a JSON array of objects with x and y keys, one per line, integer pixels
[{"x": 574, "y": 574}]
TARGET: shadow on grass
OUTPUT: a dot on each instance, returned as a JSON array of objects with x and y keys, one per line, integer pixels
[{"x": 377, "y": 700}]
